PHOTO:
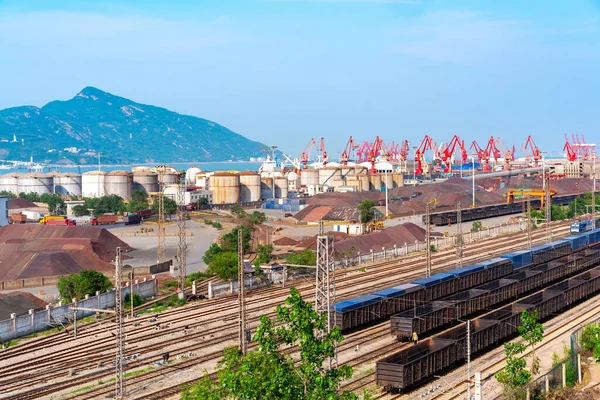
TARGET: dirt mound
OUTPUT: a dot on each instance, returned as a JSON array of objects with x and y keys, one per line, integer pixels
[
  {"x": 16, "y": 203},
  {"x": 316, "y": 213},
  {"x": 311, "y": 242},
  {"x": 19, "y": 303},
  {"x": 285, "y": 241},
  {"x": 562, "y": 186},
  {"x": 396, "y": 235},
  {"x": 32, "y": 250}
]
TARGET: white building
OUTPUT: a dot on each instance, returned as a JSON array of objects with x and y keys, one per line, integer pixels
[
  {"x": 3, "y": 211},
  {"x": 191, "y": 197},
  {"x": 349, "y": 228}
]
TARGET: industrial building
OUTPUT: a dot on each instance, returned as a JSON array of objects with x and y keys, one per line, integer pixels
[{"x": 190, "y": 196}]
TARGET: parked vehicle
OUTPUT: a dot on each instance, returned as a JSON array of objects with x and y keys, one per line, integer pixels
[
  {"x": 47, "y": 218},
  {"x": 104, "y": 220},
  {"x": 288, "y": 215},
  {"x": 132, "y": 219},
  {"x": 145, "y": 214},
  {"x": 17, "y": 219},
  {"x": 61, "y": 222},
  {"x": 32, "y": 215}
]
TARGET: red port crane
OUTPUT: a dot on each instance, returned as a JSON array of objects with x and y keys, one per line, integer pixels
[
  {"x": 377, "y": 148},
  {"x": 426, "y": 143},
  {"x": 571, "y": 153},
  {"x": 509, "y": 153},
  {"x": 535, "y": 152},
  {"x": 483, "y": 156},
  {"x": 363, "y": 151},
  {"x": 447, "y": 151},
  {"x": 347, "y": 153},
  {"x": 324, "y": 156},
  {"x": 305, "y": 154}
]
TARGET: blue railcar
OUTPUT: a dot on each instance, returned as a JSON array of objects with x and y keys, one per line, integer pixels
[
  {"x": 577, "y": 242},
  {"x": 520, "y": 259},
  {"x": 581, "y": 226},
  {"x": 438, "y": 285}
]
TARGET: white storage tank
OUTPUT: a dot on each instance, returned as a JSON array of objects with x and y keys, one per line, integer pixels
[
  {"x": 92, "y": 184},
  {"x": 119, "y": 183},
  {"x": 225, "y": 188},
  {"x": 146, "y": 180},
  {"x": 375, "y": 182},
  {"x": 309, "y": 177},
  {"x": 171, "y": 178},
  {"x": 363, "y": 179},
  {"x": 67, "y": 184},
  {"x": 190, "y": 175},
  {"x": 9, "y": 183},
  {"x": 327, "y": 176},
  {"x": 36, "y": 183},
  {"x": 281, "y": 187},
  {"x": 249, "y": 187}
]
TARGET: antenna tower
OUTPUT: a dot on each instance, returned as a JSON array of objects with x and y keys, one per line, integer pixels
[
  {"x": 459, "y": 236},
  {"x": 243, "y": 333},
  {"x": 325, "y": 282},
  {"x": 162, "y": 249},
  {"x": 182, "y": 245},
  {"x": 120, "y": 384}
]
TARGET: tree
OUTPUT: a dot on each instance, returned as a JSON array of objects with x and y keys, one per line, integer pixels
[
  {"x": 33, "y": 197},
  {"x": 105, "y": 204},
  {"x": 79, "y": 211},
  {"x": 229, "y": 241},
  {"x": 6, "y": 193},
  {"x": 271, "y": 373},
  {"x": 476, "y": 226},
  {"x": 213, "y": 250},
  {"x": 264, "y": 253},
  {"x": 514, "y": 374},
  {"x": 257, "y": 217},
  {"x": 139, "y": 196},
  {"x": 170, "y": 206},
  {"x": 76, "y": 286},
  {"x": 367, "y": 210},
  {"x": 237, "y": 211},
  {"x": 224, "y": 265},
  {"x": 56, "y": 204},
  {"x": 305, "y": 257},
  {"x": 532, "y": 332}
]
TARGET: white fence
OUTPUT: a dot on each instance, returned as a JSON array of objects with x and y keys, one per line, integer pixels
[{"x": 40, "y": 320}]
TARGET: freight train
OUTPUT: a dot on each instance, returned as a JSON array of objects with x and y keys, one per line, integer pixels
[{"x": 496, "y": 210}]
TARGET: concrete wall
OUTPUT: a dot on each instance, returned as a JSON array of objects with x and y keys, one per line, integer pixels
[{"x": 37, "y": 321}]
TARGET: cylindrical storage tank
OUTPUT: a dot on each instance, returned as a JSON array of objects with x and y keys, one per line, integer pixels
[
  {"x": 225, "y": 188},
  {"x": 309, "y": 177},
  {"x": 398, "y": 180},
  {"x": 353, "y": 182},
  {"x": 36, "y": 183},
  {"x": 190, "y": 175},
  {"x": 68, "y": 184},
  {"x": 364, "y": 182},
  {"x": 266, "y": 188},
  {"x": 249, "y": 187},
  {"x": 281, "y": 187},
  {"x": 375, "y": 182},
  {"x": 145, "y": 180},
  {"x": 387, "y": 182},
  {"x": 327, "y": 175},
  {"x": 170, "y": 178},
  {"x": 9, "y": 183},
  {"x": 92, "y": 184},
  {"x": 119, "y": 183}
]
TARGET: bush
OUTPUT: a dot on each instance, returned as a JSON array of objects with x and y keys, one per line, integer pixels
[
  {"x": 196, "y": 276},
  {"x": 208, "y": 221},
  {"x": 305, "y": 257},
  {"x": 76, "y": 286},
  {"x": 224, "y": 265},
  {"x": 476, "y": 226},
  {"x": 217, "y": 225},
  {"x": 137, "y": 300}
]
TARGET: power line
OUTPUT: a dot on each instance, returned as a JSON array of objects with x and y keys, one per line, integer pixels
[
  {"x": 162, "y": 249},
  {"x": 243, "y": 328},
  {"x": 459, "y": 236},
  {"x": 182, "y": 244},
  {"x": 529, "y": 238},
  {"x": 120, "y": 337}
]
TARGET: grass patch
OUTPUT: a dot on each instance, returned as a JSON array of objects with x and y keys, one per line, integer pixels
[
  {"x": 160, "y": 306},
  {"x": 139, "y": 372},
  {"x": 196, "y": 276},
  {"x": 82, "y": 389},
  {"x": 362, "y": 270}
]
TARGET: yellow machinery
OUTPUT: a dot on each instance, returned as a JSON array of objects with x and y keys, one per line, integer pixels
[
  {"x": 523, "y": 193},
  {"x": 375, "y": 226}
]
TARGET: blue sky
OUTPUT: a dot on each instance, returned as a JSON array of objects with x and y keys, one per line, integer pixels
[{"x": 283, "y": 71}]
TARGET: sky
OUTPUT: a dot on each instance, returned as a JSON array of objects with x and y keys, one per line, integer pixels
[{"x": 284, "y": 71}]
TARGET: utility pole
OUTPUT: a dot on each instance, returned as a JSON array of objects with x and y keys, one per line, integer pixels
[
  {"x": 120, "y": 383},
  {"x": 459, "y": 236},
  {"x": 594, "y": 194},
  {"x": 131, "y": 292},
  {"x": 325, "y": 282},
  {"x": 242, "y": 295},
  {"x": 182, "y": 244},
  {"x": 529, "y": 238},
  {"x": 548, "y": 209},
  {"x": 162, "y": 248},
  {"x": 428, "y": 236},
  {"x": 468, "y": 360}
]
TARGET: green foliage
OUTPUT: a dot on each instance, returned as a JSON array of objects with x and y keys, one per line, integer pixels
[
  {"x": 137, "y": 300},
  {"x": 264, "y": 253},
  {"x": 217, "y": 225},
  {"x": 161, "y": 306},
  {"x": 367, "y": 210},
  {"x": 33, "y": 197},
  {"x": 514, "y": 374},
  {"x": 305, "y": 257},
  {"x": 432, "y": 248},
  {"x": 224, "y": 265},
  {"x": 79, "y": 211},
  {"x": 532, "y": 332},
  {"x": 213, "y": 250},
  {"x": 196, "y": 276},
  {"x": 208, "y": 221},
  {"x": 476, "y": 226},
  {"x": 257, "y": 217},
  {"x": 237, "y": 211},
  {"x": 105, "y": 204},
  {"x": 138, "y": 202},
  {"x": 76, "y": 286},
  {"x": 6, "y": 193},
  {"x": 229, "y": 241},
  {"x": 271, "y": 373},
  {"x": 590, "y": 340},
  {"x": 56, "y": 205},
  {"x": 170, "y": 206}
]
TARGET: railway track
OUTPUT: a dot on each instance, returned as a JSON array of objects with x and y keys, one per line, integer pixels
[{"x": 87, "y": 358}]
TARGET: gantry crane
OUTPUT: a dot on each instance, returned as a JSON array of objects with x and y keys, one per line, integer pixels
[
  {"x": 348, "y": 150},
  {"x": 426, "y": 143},
  {"x": 324, "y": 156},
  {"x": 483, "y": 155},
  {"x": 508, "y": 153},
  {"x": 403, "y": 154},
  {"x": 571, "y": 153},
  {"x": 305, "y": 154},
  {"x": 447, "y": 151},
  {"x": 535, "y": 152},
  {"x": 376, "y": 148},
  {"x": 362, "y": 152}
]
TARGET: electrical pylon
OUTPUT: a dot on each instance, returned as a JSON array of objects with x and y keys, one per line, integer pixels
[
  {"x": 182, "y": 244},
  {"x": 242, "y": 296},
  {"x": 548, "y": 205},
  {"x": 529, "y": 238},
  {"x": 120, "y": 336},
  {"x": 162, "y": 248},
  {"x": 459, "y": 236},
  {"x": 428, "y": 266},
  {"x": 325, "y": 283}
]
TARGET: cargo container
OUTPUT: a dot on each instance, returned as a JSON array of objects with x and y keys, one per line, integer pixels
[
  {"x": 145, "y": 214},
  {"x": 132, "y": 219},
  {"x": 359, "y": 311},
  {"x": 400, "y": 298},
  {"x": 577, "y": 242},
  {"x": 424, "y": 319},
  {"x": 47, "y": 218},
  {"x": 32, "y": 215},
  {"x": 17, "y": 219},
  {"x": 497, "y": 268},
  {"x": 61, "y": 222},
  {"x": 438, "y": 285},
  {"x": 104, "y": 220}
]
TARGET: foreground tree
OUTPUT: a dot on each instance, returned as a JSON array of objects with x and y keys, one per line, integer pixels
[
  {"x": 367, "y": 210},
  {"x": 532, "y": 332},
  {"x": 224, "y": 265},
  {"x": 271, "y": 373},
  {"x": 76, "y": 286}
]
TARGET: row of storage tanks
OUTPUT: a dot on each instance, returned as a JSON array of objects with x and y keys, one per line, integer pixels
[{"x": 357, "y": 177}]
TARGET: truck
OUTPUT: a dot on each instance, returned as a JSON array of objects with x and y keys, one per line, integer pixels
[
  {"x": 47, "y": 218},
  {"x": 145, "y": 214},
  {"x": 132, "y": 219},
  {"x": 104, "y": 220},
  {"x": 61, "y": 222},
  {"x": 17, "y": 219}
]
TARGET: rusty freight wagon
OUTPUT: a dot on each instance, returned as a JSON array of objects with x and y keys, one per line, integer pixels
[
  {"x": 359, "y": 311},
  {"x": 438, "y": 285},
  {"x": 469, "y": 276},
  {"x": 484, "y": 334},
  {"x": 500, "y": 290},
  {"x": 399, "y": 298},
  {"x": 497, "y": 268},
  {"x": 423, "y": 319},
  {"x": 469, "y": 302}
]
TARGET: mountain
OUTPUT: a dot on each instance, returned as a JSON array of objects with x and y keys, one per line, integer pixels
[{"x": 74, "y": 131}]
